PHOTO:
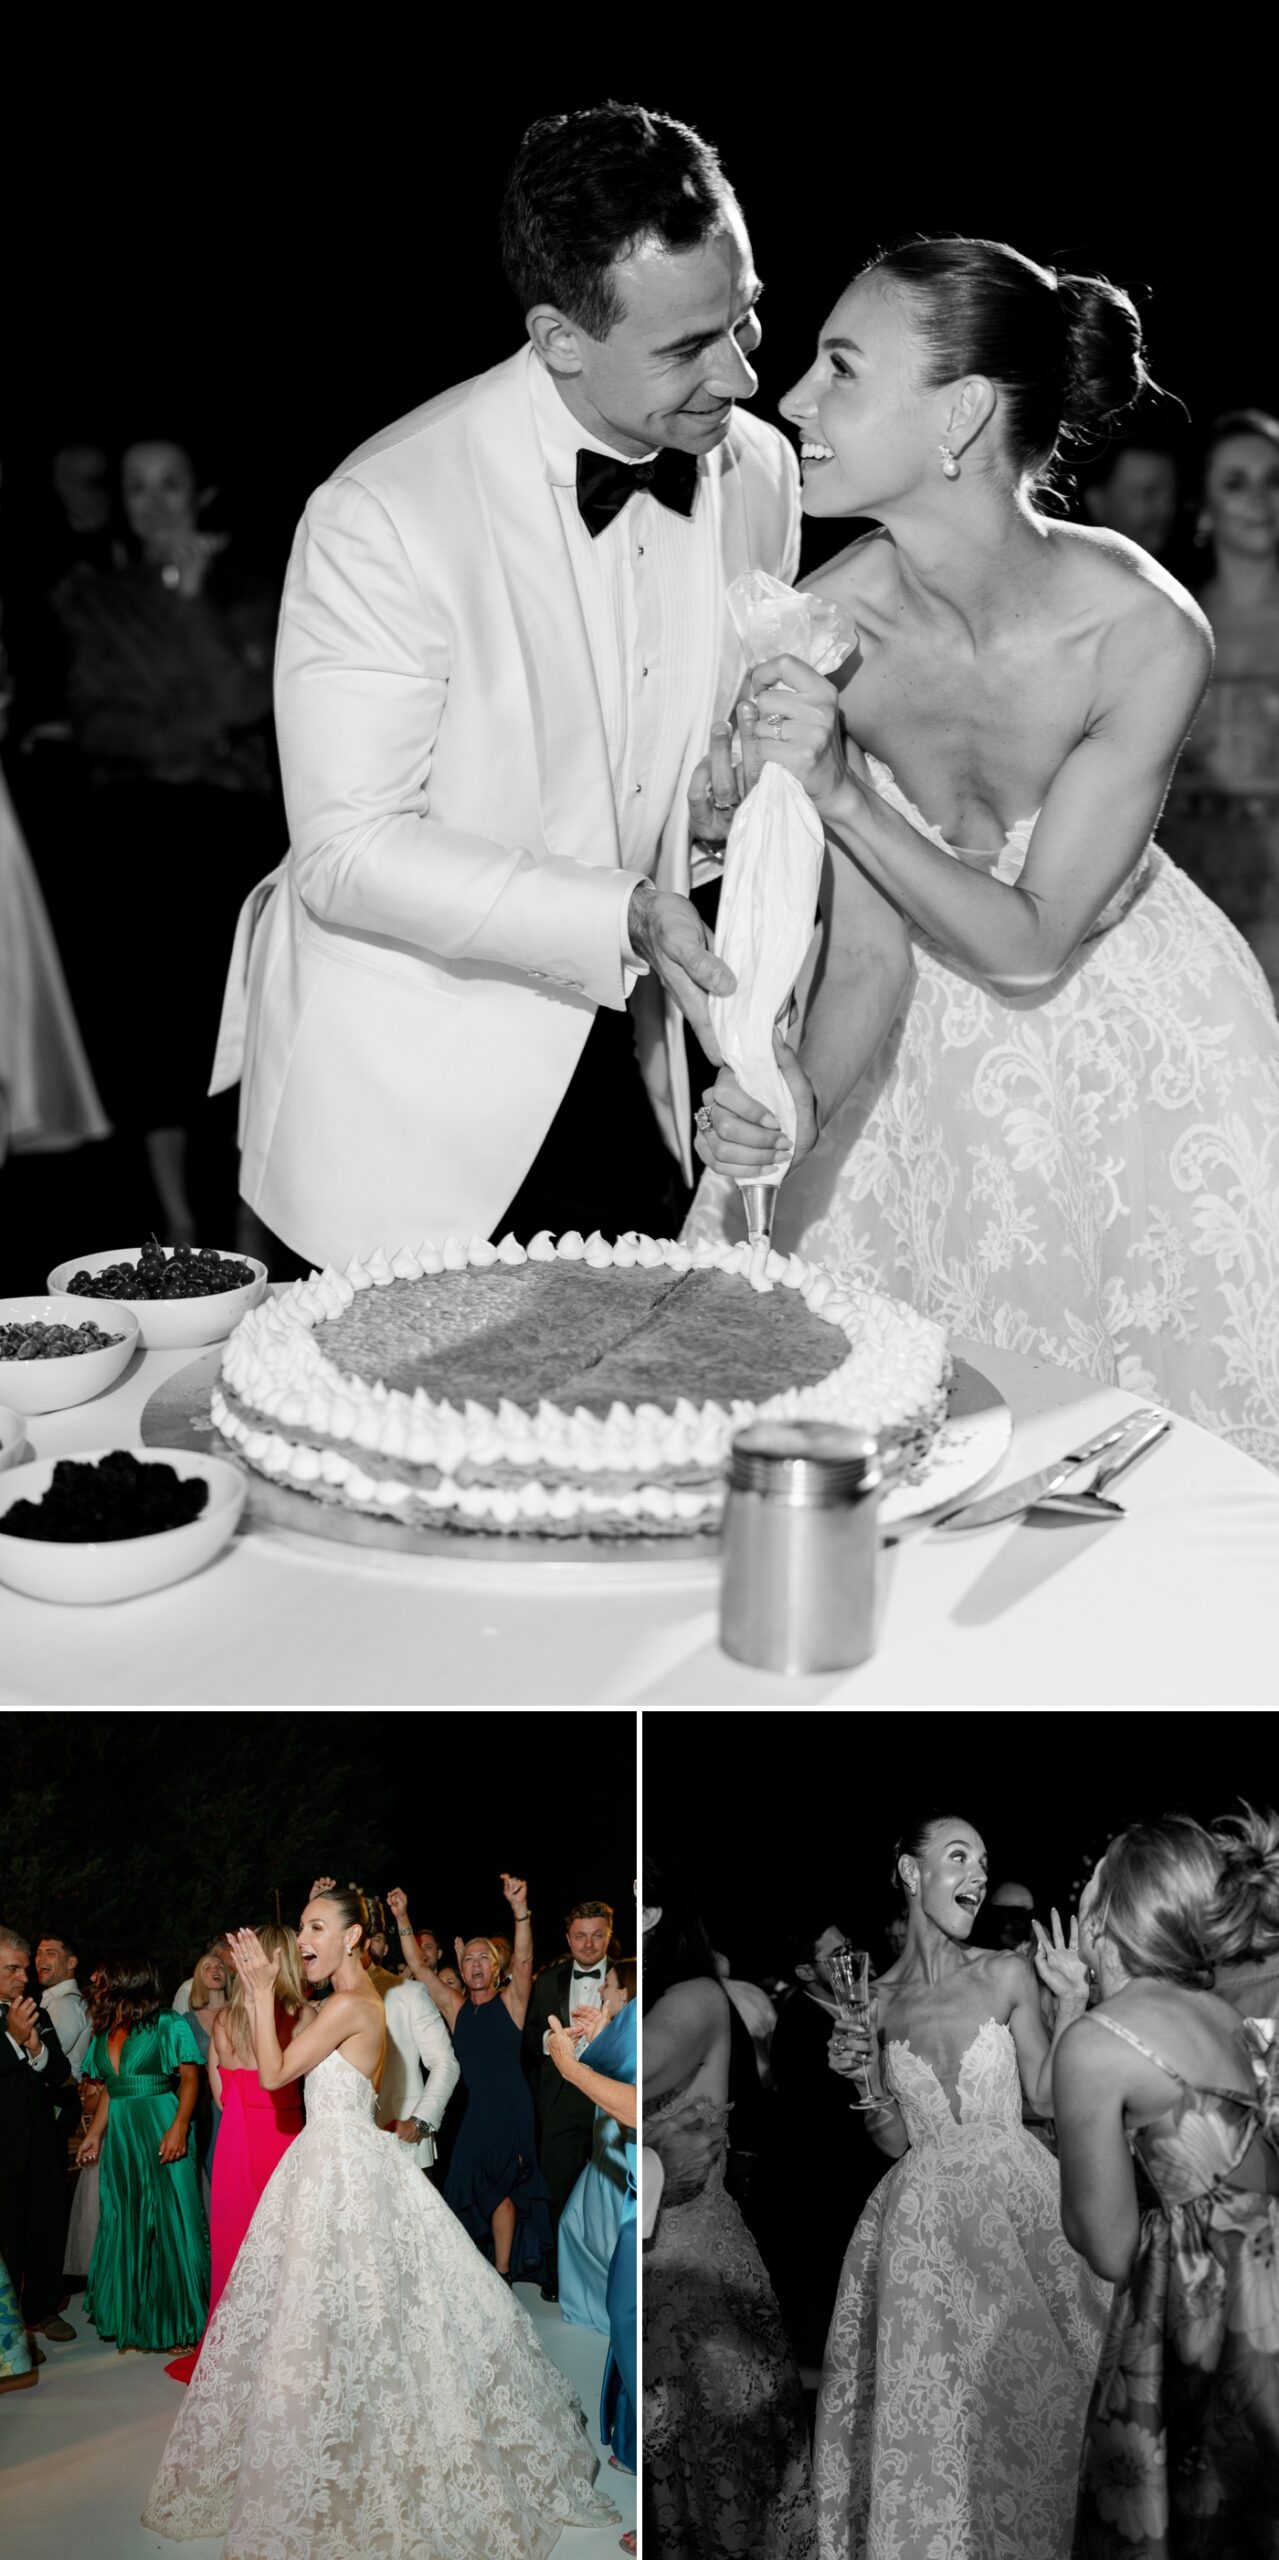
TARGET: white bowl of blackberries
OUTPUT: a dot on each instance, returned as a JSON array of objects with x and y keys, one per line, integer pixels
[
  {"x": 182, "y": 1295},
  {"x": 113, "y": 1526},
  {"x": 58, "y": 1351}
]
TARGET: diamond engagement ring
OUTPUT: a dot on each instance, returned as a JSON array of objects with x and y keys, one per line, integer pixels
[
  {"x": 775, "y": 720},
  {"x": 703, "y": 1119}
]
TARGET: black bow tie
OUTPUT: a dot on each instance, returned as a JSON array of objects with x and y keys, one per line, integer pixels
[
  {"x": 581, "y": 1974},
  {"x": 604, "y": 484}
]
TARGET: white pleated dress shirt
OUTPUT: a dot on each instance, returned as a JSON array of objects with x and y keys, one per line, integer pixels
[{"x": 647, "y": 603}]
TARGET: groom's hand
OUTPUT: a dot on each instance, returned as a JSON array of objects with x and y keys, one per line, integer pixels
[{"x": 667, "y": 931}]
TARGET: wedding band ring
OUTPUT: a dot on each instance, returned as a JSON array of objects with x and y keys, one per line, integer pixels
[{"x": 703, "y": 1119}]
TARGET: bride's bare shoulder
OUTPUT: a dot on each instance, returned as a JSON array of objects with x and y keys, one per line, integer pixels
[
  {"x": 1133, "y": 595},
  {"x": 861, "y": 574}
]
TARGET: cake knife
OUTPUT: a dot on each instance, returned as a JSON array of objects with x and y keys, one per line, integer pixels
[{"x": 1022, "y": 1496}]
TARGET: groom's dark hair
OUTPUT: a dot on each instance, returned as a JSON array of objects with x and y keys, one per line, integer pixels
[{"x": 585, "y": 188}]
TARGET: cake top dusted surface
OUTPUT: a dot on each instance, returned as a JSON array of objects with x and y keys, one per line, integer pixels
[{"x": 581, "y": 1338}]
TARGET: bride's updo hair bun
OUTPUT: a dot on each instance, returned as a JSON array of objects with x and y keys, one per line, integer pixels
[
  {"x": 1103, "y": 334},
  {"x": 1245, "y": 1914},
  {"x": 352, "y": 1910},
  {"x": 1064, "y": 352},
  {"x": 912, "y": 1840}
]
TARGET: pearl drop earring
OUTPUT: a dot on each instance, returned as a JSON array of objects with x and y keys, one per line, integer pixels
[{"x": 950, "y": 467}]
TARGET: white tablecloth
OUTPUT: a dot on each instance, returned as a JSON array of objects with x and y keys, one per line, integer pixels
[{"x": 1178, "y": 1604}]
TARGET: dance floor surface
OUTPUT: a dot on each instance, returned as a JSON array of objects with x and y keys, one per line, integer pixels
[{"x": 78, "y": 2454}]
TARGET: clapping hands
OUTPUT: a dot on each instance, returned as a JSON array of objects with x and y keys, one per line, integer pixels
[{"x": 258, "y": 1971}]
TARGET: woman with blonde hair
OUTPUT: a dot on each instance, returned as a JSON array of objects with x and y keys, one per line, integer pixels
[
  {"x": 494, "y": 2184},
  {"x": 1246, "y": 1919},
  {"x": 1170, "y": 2186},
  {"x": 257, "y": 2124}
]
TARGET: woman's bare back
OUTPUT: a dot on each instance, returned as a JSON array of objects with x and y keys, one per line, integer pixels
[{"x": 975, "y": 734}]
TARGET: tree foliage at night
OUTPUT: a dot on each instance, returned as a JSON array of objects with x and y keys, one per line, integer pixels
[{"x": 158, "y": 1831}]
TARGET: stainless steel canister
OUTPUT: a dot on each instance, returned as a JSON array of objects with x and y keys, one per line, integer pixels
[{"x": 801, "y": 1545}]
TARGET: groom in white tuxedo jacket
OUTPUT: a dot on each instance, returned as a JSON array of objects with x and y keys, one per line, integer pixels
[
  {"x": 500, "y": 659},
  {"x": 420, "y": 2072}
]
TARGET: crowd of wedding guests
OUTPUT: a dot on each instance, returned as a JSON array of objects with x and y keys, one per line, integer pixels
[
  {"x": 150, "y": 2111},
  {"x": 139, "y": 784},
  {"x": 1052, "y": 2325}
]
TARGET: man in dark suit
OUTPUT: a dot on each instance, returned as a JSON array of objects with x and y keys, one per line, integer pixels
[
  {"x": 38, "y": 2108},
  {"x": 565, "y": 2118}
]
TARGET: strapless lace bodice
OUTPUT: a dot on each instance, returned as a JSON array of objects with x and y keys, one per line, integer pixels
[
  {"x": 335, "y": 2091},
  {"x": 1006, "y": 864},
  {"x": 988, "y": 2090}
]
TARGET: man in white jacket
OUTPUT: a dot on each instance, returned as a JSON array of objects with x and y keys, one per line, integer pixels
[
  {"x": 420, "y": 2073},
  {"x": 503, "y": 646}
]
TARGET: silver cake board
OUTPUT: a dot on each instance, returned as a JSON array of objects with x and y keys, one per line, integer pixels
[{"x": 975, "y": 1435}]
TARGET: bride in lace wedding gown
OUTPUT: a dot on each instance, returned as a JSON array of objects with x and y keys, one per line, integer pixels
[
  {"x": 1037, "y": 1085},
  {"x": 368, "y": 2387},
  {"x": 967, "y": 2331}
]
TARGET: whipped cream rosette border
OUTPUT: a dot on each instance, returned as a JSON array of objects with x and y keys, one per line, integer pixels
[{"x": 893, "y": 1379}]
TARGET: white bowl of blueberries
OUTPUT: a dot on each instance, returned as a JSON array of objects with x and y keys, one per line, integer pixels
[
  {"x": 181, "y": 1297},
  {"x": 57, "y": 1351},
  {"x": 115, "y": 1525}
]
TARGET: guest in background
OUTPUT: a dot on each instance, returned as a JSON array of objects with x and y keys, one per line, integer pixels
[
  {"x": 208, "y": 1997},
  {"x": 593, "y": 2215},
  {"x": 169, "y": 691},
  {"x": 149, "y": 2279},
  {"x": 565, "y": 2119},
  {"x": 37, "y": 2109},
  {"x": 82, "y": 2222},
  {"x": 182, "y": 1996},
  {"x": 1221, "y": 822},
  {"x": 258, "y": 2124},
  {"x": 494, "y": 2184},
  {"x": 64, "y": 2002},
  {"x": 1246, "y": 1919},
  {"x": 725, "y": 2436},
  {"x": 420, "y": 2072},
  {"x": 602, "y": 2063},
  {"x": 804, "y": 2225},
  {"x": 1133, "y": 487},
  {"x": 1007, "y": 1920},
  {"x": 1170, "y": 2187}
]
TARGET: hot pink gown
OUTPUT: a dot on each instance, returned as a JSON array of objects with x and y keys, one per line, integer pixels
[{"x": 257, "y": 2128}]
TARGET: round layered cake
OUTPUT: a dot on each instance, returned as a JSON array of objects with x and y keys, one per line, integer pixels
[{"x": 566, "y": 1387}]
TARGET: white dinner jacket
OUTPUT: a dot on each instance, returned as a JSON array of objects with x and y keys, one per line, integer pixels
[
  {"x": 413, "y": 996},
  {"x": 420, "y": 2072}
]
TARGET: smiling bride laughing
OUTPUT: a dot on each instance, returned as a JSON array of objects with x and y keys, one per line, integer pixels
[{"x": 966, "y": 2330}]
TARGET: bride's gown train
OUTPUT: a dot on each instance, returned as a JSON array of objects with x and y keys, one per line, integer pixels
[
  {"x": 1089, "y": 1173},
  {"x": 368, "y": 2385},
  {"x": 965, "y": 2338}
]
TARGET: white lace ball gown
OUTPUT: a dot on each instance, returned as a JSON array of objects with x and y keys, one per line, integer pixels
[
  {"x": 1089, "y": 1173},
  {"x": 966, "y": 2336},
  {"x": 368, "y": 2385}
]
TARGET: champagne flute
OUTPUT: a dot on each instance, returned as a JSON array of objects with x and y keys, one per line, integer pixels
[{"x": 848, "y": 1972}]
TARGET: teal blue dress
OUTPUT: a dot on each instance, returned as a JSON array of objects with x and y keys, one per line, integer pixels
[
  {"x": 596, "y": 2209},
  {"x": 149, "y": 2274},
  {"x": 614, "y": 2054}
]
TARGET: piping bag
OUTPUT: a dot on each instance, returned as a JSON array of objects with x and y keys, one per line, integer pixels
[{"x": 772, "y": 871}]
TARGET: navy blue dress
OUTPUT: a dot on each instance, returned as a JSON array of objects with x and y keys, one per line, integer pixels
[{"x": 495, "y": 2154}]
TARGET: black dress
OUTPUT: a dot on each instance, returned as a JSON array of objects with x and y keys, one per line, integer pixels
[{"x": 495, "y": 2154}]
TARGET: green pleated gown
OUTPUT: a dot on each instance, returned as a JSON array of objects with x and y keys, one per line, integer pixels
[{"x": 149, "y": 2274}]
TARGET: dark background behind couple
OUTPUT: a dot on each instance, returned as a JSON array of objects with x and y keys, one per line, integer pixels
[
  {"x": 157, "y": 1832},
  {"x": 273, "y": 255}
]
